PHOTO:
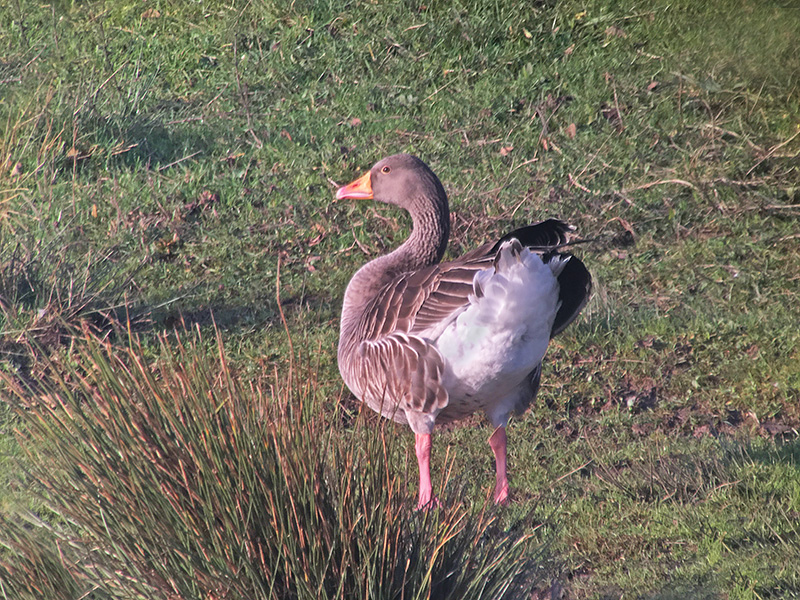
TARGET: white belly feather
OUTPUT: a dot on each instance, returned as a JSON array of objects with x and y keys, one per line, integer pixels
[{"x": 491, "y": 348}]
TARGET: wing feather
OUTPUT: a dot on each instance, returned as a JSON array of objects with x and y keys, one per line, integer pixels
[{"x": 402, "y": 372}]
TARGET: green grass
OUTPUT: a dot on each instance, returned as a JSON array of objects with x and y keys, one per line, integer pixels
[{"x": 175, "y": 163}]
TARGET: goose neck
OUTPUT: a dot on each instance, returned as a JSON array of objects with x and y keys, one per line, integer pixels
[{"x": 423, "y": 248}]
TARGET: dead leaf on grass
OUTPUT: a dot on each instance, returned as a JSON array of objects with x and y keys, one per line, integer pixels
[
  {"x": 610, "y": 113},
  {"x": 310, "y": 263},
  {"x": 151, "y": 13},
  {"x": 355, "y": 122},
  {"x": 232, "y": 158},
  {"x": 76, "y": 155},
  {"x": 317, "y": 238},
  {"x": 613, "y": 115},
  {"x": 615, "y": 31},
  {"x": 649, "y": 342},
  {"x": 652, "y": 85},
  {"x": 205, "y": 199},
  {"x": 733, "y": 271},
  {"x": 572, "y": 131},
  {"x": 166, "y": 248},
  {"x": 628, "y": 238},
  {"x": 702, "y": 431},
  {"x": 506, "y": 150}
]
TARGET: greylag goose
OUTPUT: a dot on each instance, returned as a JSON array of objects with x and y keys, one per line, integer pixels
[{"x": 424, "y": 342}]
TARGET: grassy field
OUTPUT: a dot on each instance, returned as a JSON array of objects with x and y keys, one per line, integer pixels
[{"x": 174, "y": 163}]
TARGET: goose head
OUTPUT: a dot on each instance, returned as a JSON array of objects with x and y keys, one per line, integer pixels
[{"x": 403, "y": 180}]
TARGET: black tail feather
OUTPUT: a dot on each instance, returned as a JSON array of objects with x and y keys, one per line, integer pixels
[
  {"x": 541, "y": 236},
  {"x": 575, "y": 285}
]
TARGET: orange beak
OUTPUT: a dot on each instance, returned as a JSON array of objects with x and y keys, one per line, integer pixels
[{"x": 360, "y": 189}]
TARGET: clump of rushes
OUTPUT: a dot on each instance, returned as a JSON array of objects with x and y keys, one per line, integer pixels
[{"x": 172, "y": 478}]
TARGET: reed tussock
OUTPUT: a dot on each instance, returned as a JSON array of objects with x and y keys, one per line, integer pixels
[{"x": 169, "y": 477}]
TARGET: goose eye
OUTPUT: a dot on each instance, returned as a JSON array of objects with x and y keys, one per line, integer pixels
[{"x": 386, "y": 169}]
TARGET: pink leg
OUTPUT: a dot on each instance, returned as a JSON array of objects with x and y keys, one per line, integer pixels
[
  {"x": 498, "y": 443},
  {"x": 423, "y": 447}
]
